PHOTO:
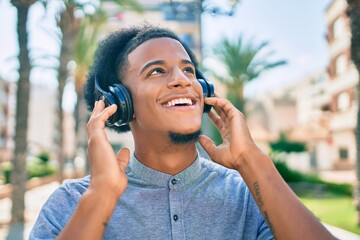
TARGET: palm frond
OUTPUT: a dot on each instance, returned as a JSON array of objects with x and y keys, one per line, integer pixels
[{"x": 244, "y": 61}]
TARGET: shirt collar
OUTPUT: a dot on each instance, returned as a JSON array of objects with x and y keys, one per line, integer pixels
[{"x": 154, "y": 177}]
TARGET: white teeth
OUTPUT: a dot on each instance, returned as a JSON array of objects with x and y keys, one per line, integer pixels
[{"x": 173, "y": 102}]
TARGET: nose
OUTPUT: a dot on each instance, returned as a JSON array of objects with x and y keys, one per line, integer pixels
[{"x": 179, "y": 79}]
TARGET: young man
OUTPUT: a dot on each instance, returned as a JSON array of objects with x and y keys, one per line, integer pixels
[{"x": 166, "y": 190}]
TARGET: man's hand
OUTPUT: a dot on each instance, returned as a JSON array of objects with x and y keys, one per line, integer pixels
[
  {"x": 276, "y": 201},
  {"x": 108, "y": 181},
  {"x": 107, "y": 170},
  {"x": 237, "y": 141}
]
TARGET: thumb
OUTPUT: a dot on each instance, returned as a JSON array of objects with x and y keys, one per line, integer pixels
[
  {"x": 123, "y": 158},
  {"x": 208, "y": 145}
]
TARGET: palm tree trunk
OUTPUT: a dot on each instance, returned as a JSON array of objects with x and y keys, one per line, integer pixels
[
  {"x": 69, "y": 28},
  {"x": 354, "y": 15},
  {"x": 18, "y": 175},
  {"x": 59, "y": 140},
  {"x": 81, "y": 135}
]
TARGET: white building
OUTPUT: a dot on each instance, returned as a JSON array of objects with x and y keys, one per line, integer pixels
[{"x": 342, "y": 86}]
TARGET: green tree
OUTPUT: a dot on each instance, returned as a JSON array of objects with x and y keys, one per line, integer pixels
[
  {"x": 354, "y": 15},
  {"x": 243, "y": 63},
  {"x": 18, "y": 179},
  {"x": 83, "y": 56},
  {"x": 69, "y": 25}
]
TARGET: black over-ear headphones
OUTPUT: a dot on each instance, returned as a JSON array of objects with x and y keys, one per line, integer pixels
[{"x": 119, "y": 95}]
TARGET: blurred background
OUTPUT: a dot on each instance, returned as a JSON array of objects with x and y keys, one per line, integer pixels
[{"x": 285, "y": 64}]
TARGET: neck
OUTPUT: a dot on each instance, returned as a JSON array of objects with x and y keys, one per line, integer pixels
[{"x": 165, "y": 156}]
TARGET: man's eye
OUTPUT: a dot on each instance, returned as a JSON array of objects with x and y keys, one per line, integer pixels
[
  {"x": 157, "y": 71},
  {"x": 189, "y": 70}
]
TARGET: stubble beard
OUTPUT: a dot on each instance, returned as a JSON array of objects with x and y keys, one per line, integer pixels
[{"x": 180, "y": 138}]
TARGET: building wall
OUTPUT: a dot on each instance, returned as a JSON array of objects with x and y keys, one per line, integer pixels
[
  {"x": 41, "y": 122},
  {"x": 342, "y": 87},
  {"x": 5, "y": 112},
  {"x": 185, "y": 22},
  {"x": 42, "y": 126}
]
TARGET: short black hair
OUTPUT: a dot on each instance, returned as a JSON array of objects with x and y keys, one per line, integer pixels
[{"x": 110, "y": 60}]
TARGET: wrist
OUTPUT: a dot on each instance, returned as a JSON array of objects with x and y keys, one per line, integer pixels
[
  {"x": 101, "y": 197},
  {"x": 250, "y": 158}
]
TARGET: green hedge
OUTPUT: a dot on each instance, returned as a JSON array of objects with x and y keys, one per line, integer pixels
[
  {"x": 292, "y": 176},
  {"x": 287, "y": 146},
  {"x": 35, "y": 168}
]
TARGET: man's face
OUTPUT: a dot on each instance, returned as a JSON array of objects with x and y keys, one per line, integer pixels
[{"x": 166, "y": 95}]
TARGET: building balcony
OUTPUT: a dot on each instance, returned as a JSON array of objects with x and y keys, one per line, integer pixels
[
  {"x": 347, "y": 80},
  {"x": 343, "y": 120},
  {"x": 339, "y": 45},
  {"x": 334, "y": 10},
  {"x": 319, "y": 101}
]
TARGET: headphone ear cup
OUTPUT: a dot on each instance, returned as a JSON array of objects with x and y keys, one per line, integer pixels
[
  {"x": 207, "y": 87},
  {"x": 123, "y": 100},
  {"x": 100, "y": 94}
]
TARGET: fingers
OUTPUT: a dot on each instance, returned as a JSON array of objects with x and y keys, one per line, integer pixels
[
  {"x": 123, "y": 158},
  {"x": 97, "y": 108},
  {"x": 218, "y": 122},
  {"x": 223, "y": 107},
  {"x": 102, "y": 113},
  {"x": 220, "y": 104}
]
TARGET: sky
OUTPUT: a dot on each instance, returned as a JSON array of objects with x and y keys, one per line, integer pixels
[{"x": 296, "y": 31}]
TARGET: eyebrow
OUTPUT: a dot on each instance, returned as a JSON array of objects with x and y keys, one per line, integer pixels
[{"x": 160, "y": 62}]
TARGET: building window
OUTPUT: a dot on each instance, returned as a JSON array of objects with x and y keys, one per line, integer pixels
[
  {"x": 188, "y": 39},
  {"x": 343, "y": 153},
  {"x": 339, "y": 27},
  {"x": 177, "y": 11},
  {"x": 343, "y": 102},
  {"x": 341, "y": 64}
]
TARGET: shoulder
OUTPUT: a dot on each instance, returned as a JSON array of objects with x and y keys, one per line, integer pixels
[
  {"x": 58, "y": 208},
  {"x": 69, "y": 193},
  {"x": 71, "y": 189},
  {"x": 223, "y": 177},
  {"x": 76, "y": 185},
  {"x": 215, "y": 168}
]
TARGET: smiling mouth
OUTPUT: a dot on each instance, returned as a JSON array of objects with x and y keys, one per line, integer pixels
[{"x": 179, "y": 102}]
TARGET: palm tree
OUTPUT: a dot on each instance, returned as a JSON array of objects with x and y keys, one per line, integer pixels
[
  {"x": 18, "y": 176},
  {"x": 354, "y": 15},
  {"x": 69, "y": 25},
  {"x": 243, "y": 63},
  {"x": 83, "y": 56}
]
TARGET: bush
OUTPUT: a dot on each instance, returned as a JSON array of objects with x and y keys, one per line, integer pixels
[
  {"x": 6, "y": 170},
  {"x": 44, "y": 156},
  {"x": 340, "y": 188},
  {"x": 288, "y": 174},
  {"x": 293, "y": 176},
  {"x": 40, "y": 169},
  {"x": 284, "y": 145},
  {"x": 35, "y": 168}
]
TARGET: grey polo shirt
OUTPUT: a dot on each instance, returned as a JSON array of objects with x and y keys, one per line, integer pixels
[{"x": 205, "y": 201}]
